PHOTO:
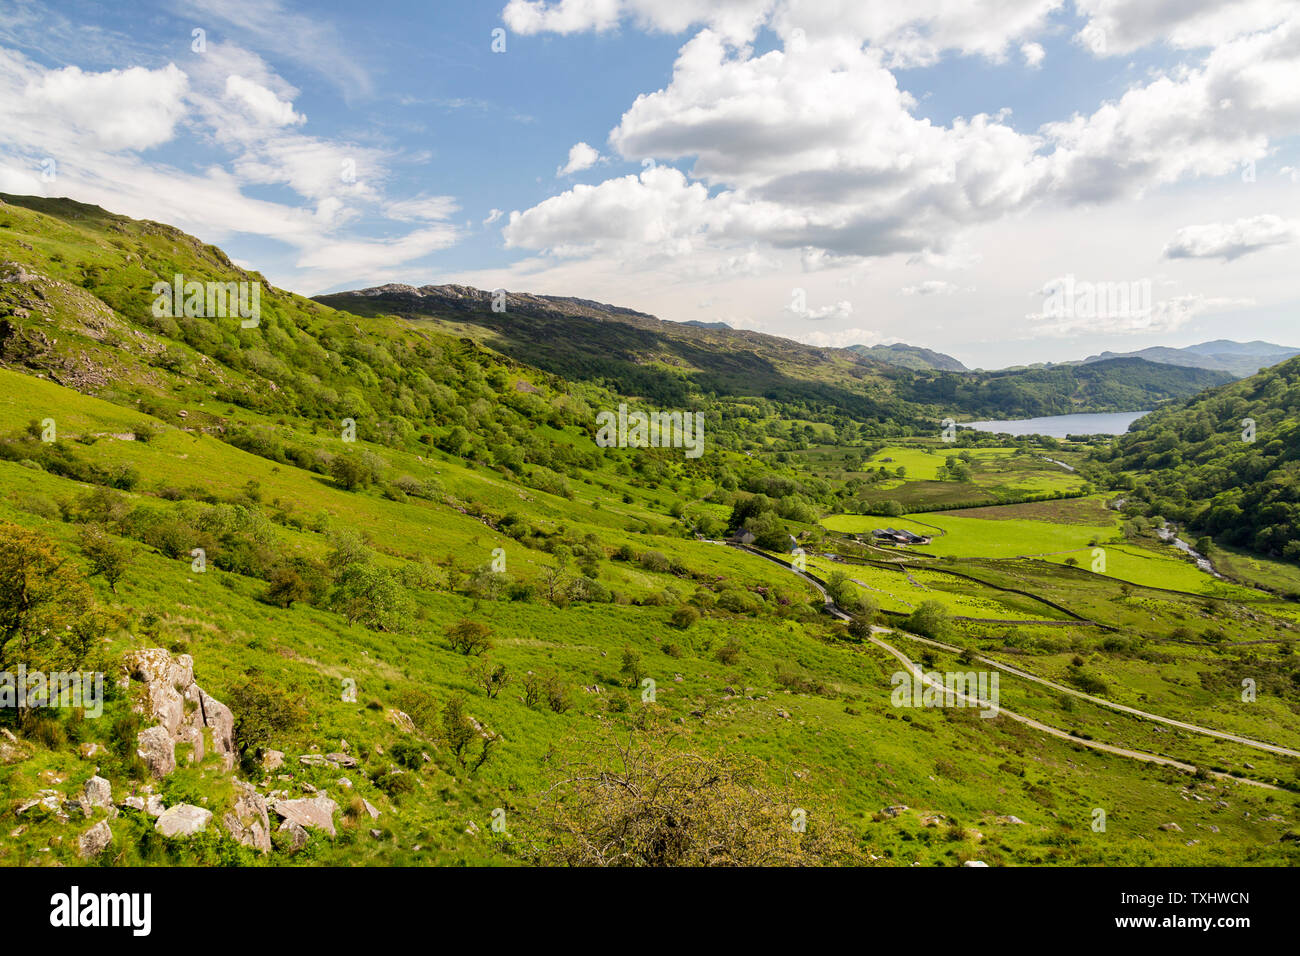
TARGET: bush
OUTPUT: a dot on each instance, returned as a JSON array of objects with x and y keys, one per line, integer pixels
[{"x": 683, "y": 617}]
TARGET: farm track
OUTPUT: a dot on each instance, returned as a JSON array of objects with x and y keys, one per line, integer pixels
[{"x": 833, "y": 609}]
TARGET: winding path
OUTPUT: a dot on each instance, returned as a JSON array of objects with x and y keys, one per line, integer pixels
[{"x": 833, "y": 609}]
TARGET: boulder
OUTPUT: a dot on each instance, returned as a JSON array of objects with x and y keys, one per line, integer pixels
[
  {"x": 247, "y": 821},
  {"x": 343, "y": 760},
  {"x": 298, "y": 836},
  {"x": 183, "y": 820},
  {"x": 314, "y": 812},
  {"x": 94, "y": 841},
  {"x": 974, "y": 863},
  {"x": 97, "y": 792},
  {"x": 272, "y": 760},
  {"x": 1171, "y": 827},
  {"x": 370, "y": 809}
]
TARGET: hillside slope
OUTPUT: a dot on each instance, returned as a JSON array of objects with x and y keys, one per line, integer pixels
[{"x": 1226, "y": 463}]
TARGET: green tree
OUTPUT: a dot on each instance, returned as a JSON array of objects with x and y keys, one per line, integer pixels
[{"x": 108, "y": 557}]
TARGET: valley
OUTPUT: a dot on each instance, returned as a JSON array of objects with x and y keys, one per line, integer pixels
[{"x": 385, "y": 529}]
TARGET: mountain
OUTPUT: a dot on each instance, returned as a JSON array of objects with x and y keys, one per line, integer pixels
[
  {"x": 910, "y": 356},
  {"x": 1240, "y": 359},
  {"x": 707, "y": 325},
  {"x": 638, "y": 354},
  {"x": 1226, "y": 463},
  {"x": 1113, "y": 385}
]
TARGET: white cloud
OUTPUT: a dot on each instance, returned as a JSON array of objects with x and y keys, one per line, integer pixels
[
  {"x": 581, "y": 156},
  {"x": 261, "y": 104},
  {"x": 1118, "y": 27},
  {"x": 1230, "y": 240},
  {"x": 93, "y": 126},
  {"x": 916, "y": 33},
  {"x": 133, "y": 109},
  {"x": 1167, "y": 315},
  {"x": 422, "y": 209},
  {"x": 735, "y": 18},
  {"x": 930, "y": 287},
  {"x": 836, "y": 310},
  {"x": 840, "y": 339},
  {"x": 307, "y": 39},
  {"x": 1033, "y": 54},
  {"x": 492, "y": 216}
]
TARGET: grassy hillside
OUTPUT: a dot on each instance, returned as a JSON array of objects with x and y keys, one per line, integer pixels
[{"x": 1226, "y": 464}]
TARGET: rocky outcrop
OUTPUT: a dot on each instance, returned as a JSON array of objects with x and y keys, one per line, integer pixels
[
  {"x": 247, "y": 821},
  {"x": 311, "y": 812},
  {"x": 184, "y": 712},
  {"x": 183, "y": 820}
]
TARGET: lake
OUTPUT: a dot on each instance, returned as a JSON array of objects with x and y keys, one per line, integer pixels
[{"x": 1058, "y": 426}]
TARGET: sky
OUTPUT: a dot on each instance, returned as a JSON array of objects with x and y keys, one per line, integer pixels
[{"x": 1006, "y": 181}]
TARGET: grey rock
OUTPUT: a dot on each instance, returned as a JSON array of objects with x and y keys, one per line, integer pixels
[
  {"x": 247, "y": 821},
  {"x": 298, "y": 836},
  {"x": 313, "y": 812},
  {"x": 183, "y": 820},
  {"x": 94, "y": 841}
]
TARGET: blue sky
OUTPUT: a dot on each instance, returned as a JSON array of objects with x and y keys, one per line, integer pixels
[{"x": 832, "y": 171}]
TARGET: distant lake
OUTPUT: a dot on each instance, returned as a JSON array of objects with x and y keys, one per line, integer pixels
[{"x": 1058, "y": 426}]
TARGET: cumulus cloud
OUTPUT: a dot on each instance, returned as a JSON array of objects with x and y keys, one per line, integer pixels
[
  {"x": 1231, "y": 240},
  {"x": 132, "y": 109},
  {"x": 581, "y": 156},
  {"x": 492, "y": 216},
  {"x": 1118, "y": 27},
  {"x": 1033, "y": 54}
]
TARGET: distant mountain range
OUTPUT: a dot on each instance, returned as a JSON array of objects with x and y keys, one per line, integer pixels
[
  {"x": 910, "y": 356},
  {"x": 1240, "y": 359}
]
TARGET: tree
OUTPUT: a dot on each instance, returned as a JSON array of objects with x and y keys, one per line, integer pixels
[
  {"x": 48, "y": 618},
  {"x": 457, "y": 730},
  {"x": 469, "y": 637},
  {"x": 262, "y": 711},
  {"x": 108, "y": 557},
  {"x": 373, "y": 596},
  {"x": 632, "y": 669},
  {"x": 493, "y": 677},
  {"x": 860, "y": 625},
  {"x": 286, "y": 587},
  {"x": 931, "y": 619}
]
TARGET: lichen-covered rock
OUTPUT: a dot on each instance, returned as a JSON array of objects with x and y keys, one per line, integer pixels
[
  {"x": 183, "y": 820},
  {"x": 184, "y": 712},
  {"x": 248, "y": 821},
  {"x": 298, "y": 836},
  {"x": 94, "y": 841},
  {"x": 97, "y": 792},
  {"x": 314, "y": 812}
]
